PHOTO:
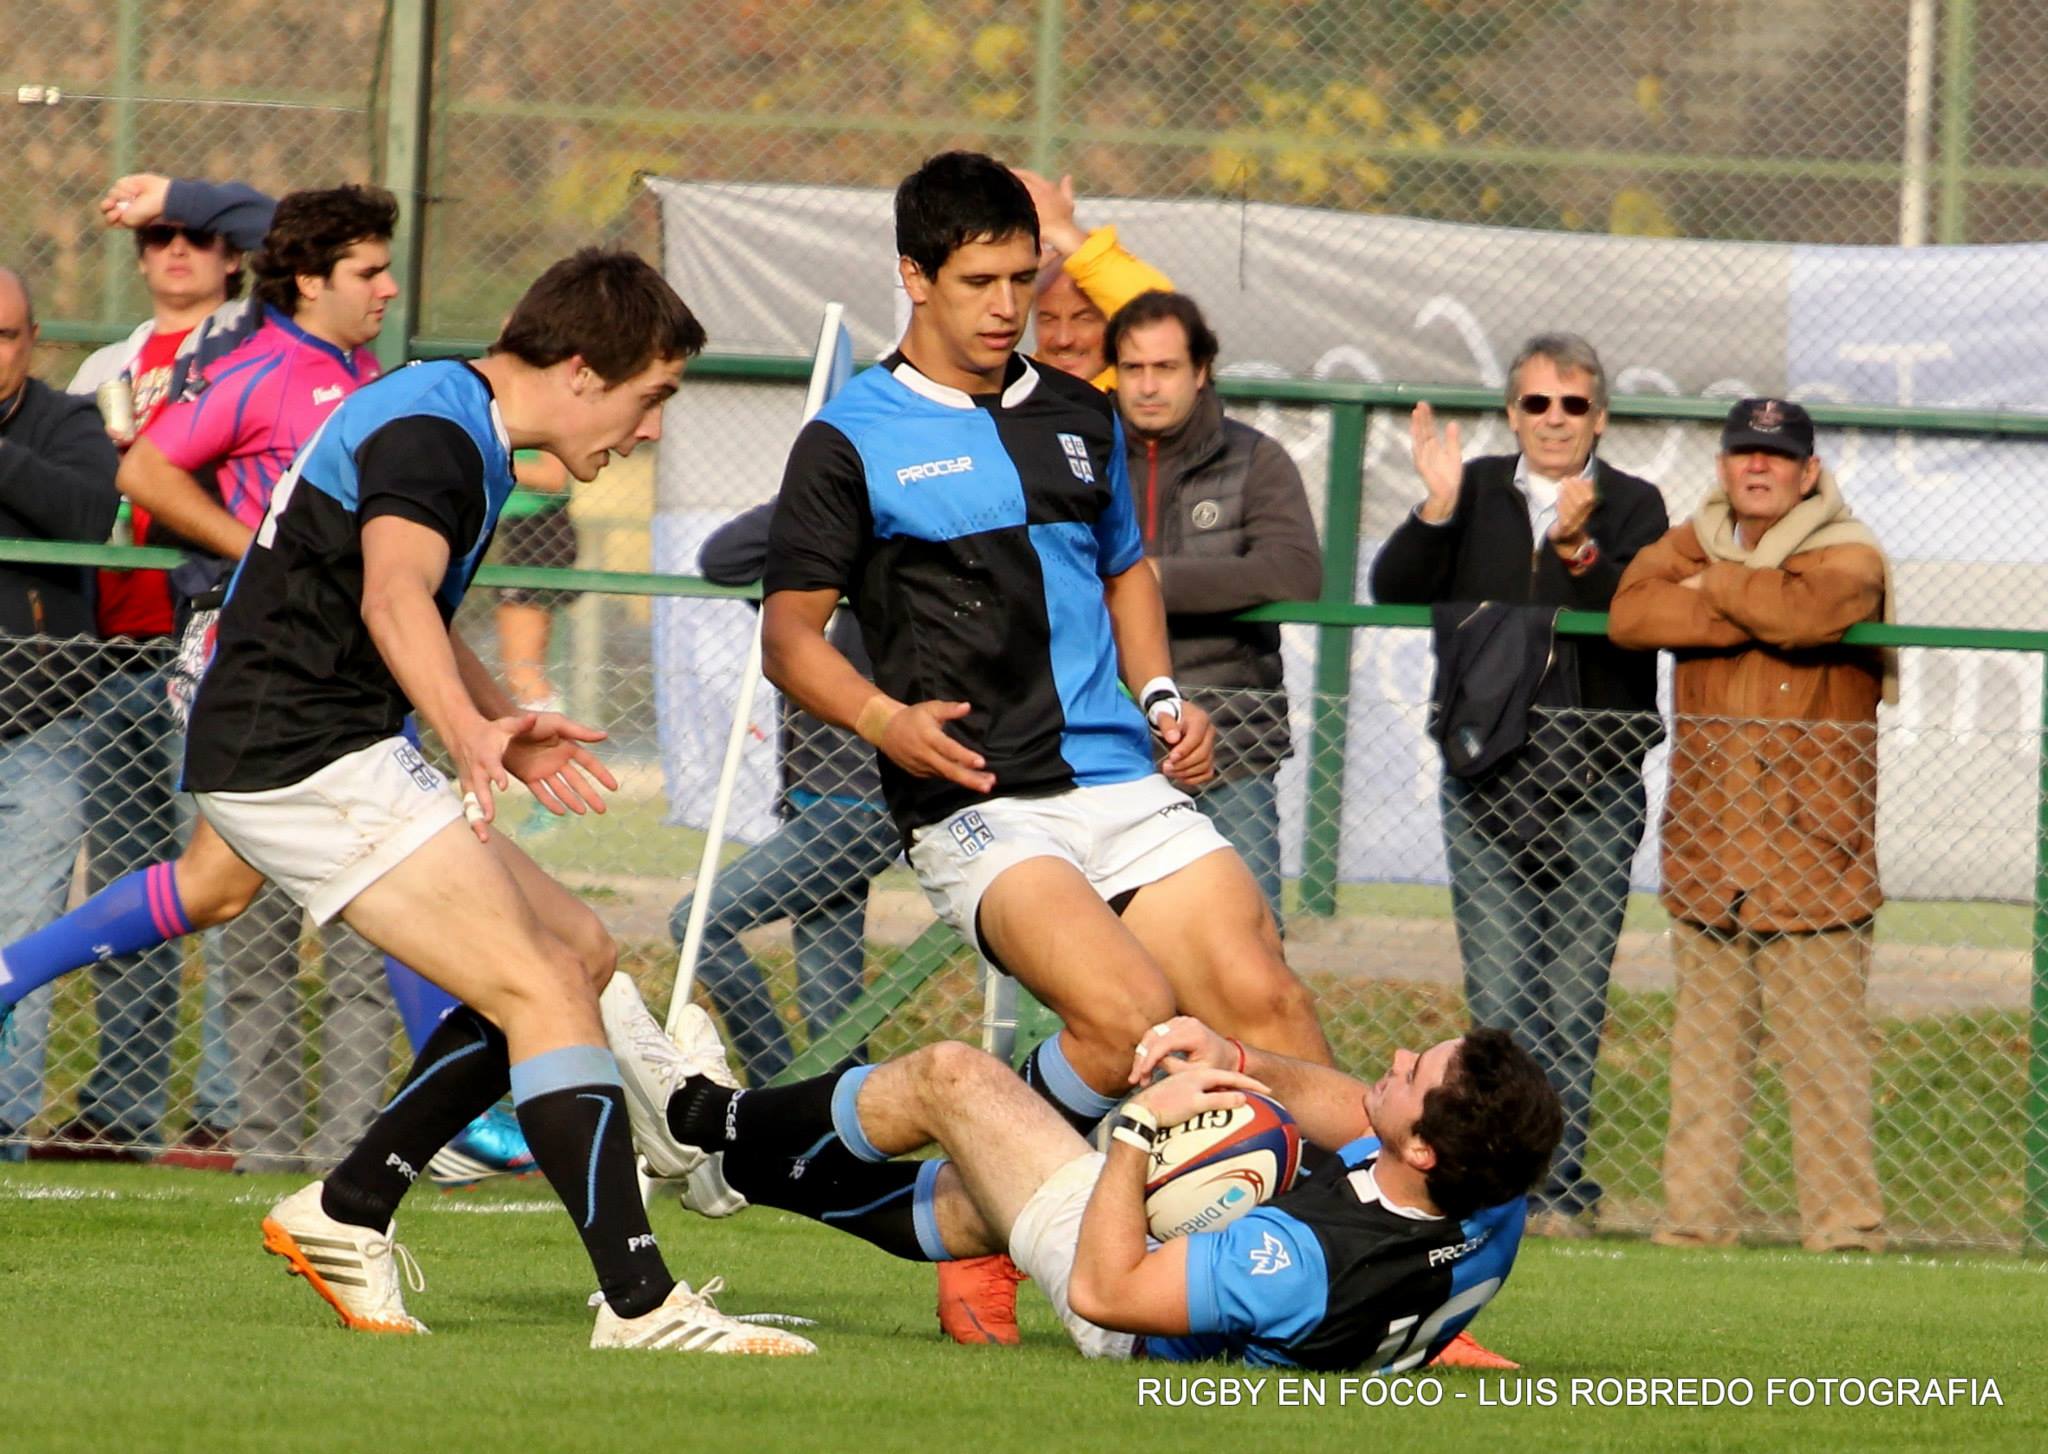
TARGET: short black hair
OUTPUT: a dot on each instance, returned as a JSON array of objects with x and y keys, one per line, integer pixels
[
  {"x": 311, "y": 231},
  {"x": 955, "y": 198},
  {"x": 1157, "y": 306},
  {"x": 613, "y": 310},
  {"x": 1494, "y": 1124}
]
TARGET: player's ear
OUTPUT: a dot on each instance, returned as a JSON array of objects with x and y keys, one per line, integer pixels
[
  {"x": 1419, "y": 1154},
  {"x": 582, "y": 377},
  {"x": 915, "y": 284}
]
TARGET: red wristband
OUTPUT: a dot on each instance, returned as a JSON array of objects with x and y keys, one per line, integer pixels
[{"x": 1239, "y": 1047}]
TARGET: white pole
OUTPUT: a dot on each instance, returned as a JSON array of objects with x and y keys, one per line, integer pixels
[
  {"x": 1919, "y": 123},
  {"x": 736, "y": 740}
]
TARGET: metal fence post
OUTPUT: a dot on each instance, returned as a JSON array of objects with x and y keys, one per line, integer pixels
[
  {"x": 1045, "y": 88},
  {"x": 408, "y": 95},
  {"x": 1322, "y": 828},
  {"x": 117, "y": 264},
  {"x": 1958, "y": 100},
  {"x": 2036, "y": 1216}
]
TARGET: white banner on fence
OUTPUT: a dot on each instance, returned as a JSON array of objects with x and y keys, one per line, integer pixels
[{"x": 1308, "y": 293}]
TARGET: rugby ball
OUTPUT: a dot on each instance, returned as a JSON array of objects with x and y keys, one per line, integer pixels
[{"x": 1213, "y": 1168}]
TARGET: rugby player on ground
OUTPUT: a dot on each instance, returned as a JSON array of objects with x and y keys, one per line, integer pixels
[{"x": 1377, "y": 1262}]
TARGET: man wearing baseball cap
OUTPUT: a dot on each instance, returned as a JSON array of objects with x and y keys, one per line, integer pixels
[{"x": 1770, "y": 830}]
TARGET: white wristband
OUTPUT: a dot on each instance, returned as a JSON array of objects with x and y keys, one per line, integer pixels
[{"x": 1159, "y": 695}]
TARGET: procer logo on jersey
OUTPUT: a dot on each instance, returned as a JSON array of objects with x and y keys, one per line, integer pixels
[
  {"x": 931, "y": 469},
  {"x": 971, "y": 832},
  {"x": 327, "y": 395},
  {"x": 1077, "y": 458}
]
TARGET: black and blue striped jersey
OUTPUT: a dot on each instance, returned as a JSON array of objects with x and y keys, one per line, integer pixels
[
  {"x": 1331, "y": 1277},
  {"x": 296, "y": 682},
  {"x": 972, "y": 535}
]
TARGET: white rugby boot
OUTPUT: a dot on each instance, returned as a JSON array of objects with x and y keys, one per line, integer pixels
[
  {"x": 652, "y": 1069},
  {"x": 690, "y": 1322},
  {"x": 354, "y": 1268},
  {"x": 705, "y": 1190}
]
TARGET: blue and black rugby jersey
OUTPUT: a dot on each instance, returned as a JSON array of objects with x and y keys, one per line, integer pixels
[
  {"x": 296, "y": 682},
  {"x": 1329, "y": 1277},
  {"x": 972, "y": 535}
]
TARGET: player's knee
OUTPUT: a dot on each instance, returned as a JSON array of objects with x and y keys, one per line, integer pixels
[
  {"x": 1113, "y": 1022},
  {"x": 950, "y": 1070},
  {"x": 1274, "y": 1001},
  {"x": 598, "y": 953},
  {"x": 208, "y": 902}
]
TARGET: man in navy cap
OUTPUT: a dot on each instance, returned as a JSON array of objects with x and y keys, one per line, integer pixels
[{"x": 1770, "y": 829}]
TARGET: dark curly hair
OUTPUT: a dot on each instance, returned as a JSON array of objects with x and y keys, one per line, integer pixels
[
  {"x": 1494, "y": 1124},
  {"x": 611, "y": 309},
  {"x": 311, "y": 232}
]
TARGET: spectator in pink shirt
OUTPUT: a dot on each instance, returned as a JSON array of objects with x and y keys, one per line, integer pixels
[{"x": 205, "y": 468}]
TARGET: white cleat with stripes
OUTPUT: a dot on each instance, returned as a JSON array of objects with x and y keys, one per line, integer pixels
[
  {"x": 652, "y": 1069},
  {"x": 690, "y": 1322},
  {"x": 355, "y": 1269}
]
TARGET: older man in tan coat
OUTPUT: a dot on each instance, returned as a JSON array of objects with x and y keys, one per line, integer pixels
[{"x": 1769, "y": 834}]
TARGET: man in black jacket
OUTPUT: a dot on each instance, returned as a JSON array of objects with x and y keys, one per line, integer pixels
[
  {"x": 1539, "y": 913},
  {"x": 1226, "y": 526},
  {"x": 56, "y": 483}
]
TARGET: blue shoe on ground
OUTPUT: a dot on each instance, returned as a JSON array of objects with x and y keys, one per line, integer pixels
[{"x": 491, "y": 1145}]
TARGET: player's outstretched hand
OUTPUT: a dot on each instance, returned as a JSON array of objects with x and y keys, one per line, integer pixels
[
  {"x": 550, "y": 758},
  {"x": 916, "y": 741},
  {"x": 1196, "y": 1089},
  {"x": 135, "y": 200},
  {"x": 479, "y": 753},
  {"x": 1184, "y": 1040},
  {"x": 1190, "y": 740}
]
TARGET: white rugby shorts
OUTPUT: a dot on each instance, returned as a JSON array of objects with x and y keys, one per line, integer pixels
[
  {"x": 1122, "y": 836},
  {"x": 1043, "y": 1241},
  {"x": 325, "y": 839}
]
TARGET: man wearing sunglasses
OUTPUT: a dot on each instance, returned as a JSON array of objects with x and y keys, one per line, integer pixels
[{"x": 1537, "y": 893}]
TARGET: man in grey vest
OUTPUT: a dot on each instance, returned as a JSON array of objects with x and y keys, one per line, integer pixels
[{"x": 1226, "y": 526}]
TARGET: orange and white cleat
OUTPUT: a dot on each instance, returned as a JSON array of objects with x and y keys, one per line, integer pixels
[
  {"x": 355, "y": 1269},
  {"x": 1466, "y": 1351},
  {"x": 978, "y": 1299}
]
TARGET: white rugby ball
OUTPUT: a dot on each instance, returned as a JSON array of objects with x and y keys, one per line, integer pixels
[{"x": 1214, "y": 1167}]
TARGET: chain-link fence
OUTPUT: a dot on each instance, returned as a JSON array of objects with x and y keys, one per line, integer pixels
[{"x": 1750, "y": 1043}]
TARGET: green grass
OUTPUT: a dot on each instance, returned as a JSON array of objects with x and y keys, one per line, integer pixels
[{"x": 142, "y": 1316}]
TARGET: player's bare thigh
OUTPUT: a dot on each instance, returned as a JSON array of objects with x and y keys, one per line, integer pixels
[
  {"x": 1001, "y": 1136},
  {"x": 1209, "y": 930},
  {"x": 560, "y": 912},
  {"x": 455, "y": 910},
  {"x": 1050, "y": 928}
]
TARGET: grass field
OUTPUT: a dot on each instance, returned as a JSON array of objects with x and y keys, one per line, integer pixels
[{"x": 141, "y": 1316}]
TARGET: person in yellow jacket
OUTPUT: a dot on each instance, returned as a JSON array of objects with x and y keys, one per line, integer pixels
[{"x": 1086, "y": 277}]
